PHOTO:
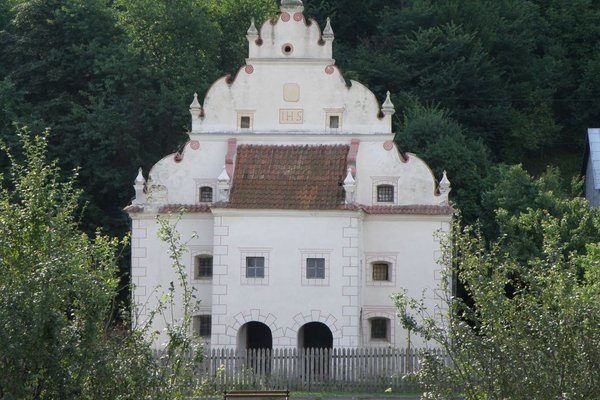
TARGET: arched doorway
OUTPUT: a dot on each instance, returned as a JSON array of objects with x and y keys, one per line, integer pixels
[
  {"x": 315, "y": 335},
  {"x": 255, "y": 335},
  {"x": 315, "y": 342},
  {"x": 255, "y": 341}
]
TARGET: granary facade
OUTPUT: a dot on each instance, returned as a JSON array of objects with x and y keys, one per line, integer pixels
[{"x": 303, "y": 216}]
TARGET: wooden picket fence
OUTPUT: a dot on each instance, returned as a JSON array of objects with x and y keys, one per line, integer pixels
[{"x": 366, "y": 369}]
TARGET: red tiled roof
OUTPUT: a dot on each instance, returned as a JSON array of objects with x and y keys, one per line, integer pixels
[
  {"x": 289, "y": 177},
  {"x": 189, "y": 208},
  {"x": 409, "y": 209}
]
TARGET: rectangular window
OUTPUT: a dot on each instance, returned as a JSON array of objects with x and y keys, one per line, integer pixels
[
  {"x": 203, "y": 267},
  {"x": 206, "y": 194},
  {"x": 203, "y": 325},
  {"x": 315, "y": 268},
  {"x": 385, "y": 194},
  {"x": 255, "y": 267},
  {"x": 334, "y": 121},
  {"x": 245, "y": 122},
  {"x": 381, "y": 272},
  {"x": 379, "y": 328}
]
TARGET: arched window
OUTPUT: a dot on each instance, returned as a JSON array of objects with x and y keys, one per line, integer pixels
[
  {"x": 385, "y": 193},
  {"x": 206, "y": 194}
]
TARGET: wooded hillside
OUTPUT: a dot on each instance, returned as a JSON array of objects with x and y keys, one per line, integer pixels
[{"x": 476, "y": 83}]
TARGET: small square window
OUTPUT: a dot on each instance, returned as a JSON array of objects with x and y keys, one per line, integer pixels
[
  {"x": 381, "y": 272},
  {"x": 385, "y": 194},
  {"x": 202, "y": 325},
  {"x": 206, "y": 194},
  {"x": 315, "y": 268},
  {"x": 334, "y": 121},
  {"x": 379, "y": 328},
  {"x": 245, "y": 122},
  {"x": 203, "y": 267},
  {"x": 255, "y": 267}
]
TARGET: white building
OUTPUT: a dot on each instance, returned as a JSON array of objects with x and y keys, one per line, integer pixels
[
  {"x": 307, "y": 215},
  {"x": 591, "y": 167}
]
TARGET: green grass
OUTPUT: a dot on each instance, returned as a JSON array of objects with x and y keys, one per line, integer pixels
[{"x": 356, "y": 395}]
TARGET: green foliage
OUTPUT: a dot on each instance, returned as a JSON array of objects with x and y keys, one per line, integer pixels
[
  {"x": 58, "y": 337},
  {"x": 57, "y": 285},
  {"x": 533, "y": 329},
  {"x": 429, "y": 132},
  {"x": 517, "y": 205}
]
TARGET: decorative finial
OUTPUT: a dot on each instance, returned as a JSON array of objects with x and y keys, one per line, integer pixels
[
  {"x": 349, "y": 178},
  {"x": 350, "y": 187},
  {"x": 138, "y": 186},
  {"x": 195, "y": 104},
  {"x": 252, "y": 31},
  {"x": 388, "y": 107},
  {"x": 224, "y": 177},
  {"x": 444, "y": 185},
  {"x": 328, "y": 31}
]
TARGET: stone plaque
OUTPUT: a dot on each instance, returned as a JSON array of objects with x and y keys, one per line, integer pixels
[
  {"x": 291, "y": 92},
  {"x": 288, "y": 116}
]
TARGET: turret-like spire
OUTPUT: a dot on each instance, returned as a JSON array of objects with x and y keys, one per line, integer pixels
[
  {"x": 350, "y": 187},
  {"x": 224, "y": 185},
  {"x": 252, "y": 31},
  {"x": 388, "y": 107},
  {"x": 196, "y": 111},
  {"x": 445, "y": 187},
  {"x": 138, "y": 186},
  {"x": 328, "y": 31}
]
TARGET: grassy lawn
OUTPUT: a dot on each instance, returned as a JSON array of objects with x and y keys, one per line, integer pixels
[{"x": 357, "y": 395}]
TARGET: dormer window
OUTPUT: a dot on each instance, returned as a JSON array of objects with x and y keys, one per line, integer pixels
[
  {"x": 385, "y": 194},
  {"x": 206, "y": 194}
]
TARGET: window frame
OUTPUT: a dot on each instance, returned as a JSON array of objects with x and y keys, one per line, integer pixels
[
  {"x": 202, "y": 325},
  {"x": 198, "y": 267},
  {"x": 315, "y": 268},
  {"x": 374, "y": 271},
  {"x": 385, "y": 193},
  {"x": 381, "y": 183},
  {"x": 374, "y": 328},
  {"x": 252, "y": 252},
  {"x": 307, "y": 254},
  {"x": 389, "y": 258},
  {"x": 255, "y": 268},
  {"x": 205, "y": 188}
]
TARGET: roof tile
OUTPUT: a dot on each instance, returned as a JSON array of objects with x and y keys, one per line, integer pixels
[{"x": 289, "y": 177}]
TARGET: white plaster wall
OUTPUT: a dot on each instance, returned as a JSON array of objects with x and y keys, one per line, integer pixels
[
  {"x": 152, "y": 268},
  {"x": 182, "y": 178},
  {"x": 413, "y": 179},
  {"x": 260, "y": 93},
  {"x": 283, "y": 300},
  {"x": 412, "y": 245}
]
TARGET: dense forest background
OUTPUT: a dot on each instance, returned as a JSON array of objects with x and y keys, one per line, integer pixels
[{"x": 478, "y": 84}]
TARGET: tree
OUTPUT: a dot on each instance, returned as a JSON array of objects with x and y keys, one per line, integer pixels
[
  {"x": 429, "y": 132},
  {"x": 532, "y": 328},
  {"x": 58, "y": 285}
]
